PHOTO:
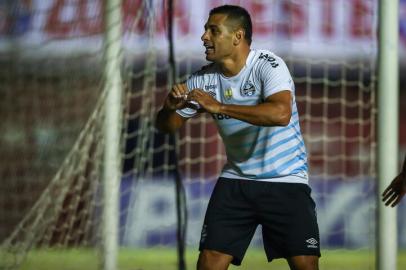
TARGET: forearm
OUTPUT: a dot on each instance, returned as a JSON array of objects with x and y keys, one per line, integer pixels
[
  {"x": 403, "y": 171},
  {"x": 168, "y": 121},
  {"x": 276, "y": 110},
  {"x": 264, "y": 114}
]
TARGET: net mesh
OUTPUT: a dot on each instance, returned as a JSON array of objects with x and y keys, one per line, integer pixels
[{"x": 52, "y": 115}]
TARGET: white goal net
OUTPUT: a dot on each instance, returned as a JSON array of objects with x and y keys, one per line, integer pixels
[{"x": 52, "y": 115}]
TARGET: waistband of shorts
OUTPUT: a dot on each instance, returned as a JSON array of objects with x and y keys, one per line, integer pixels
[{"x": 281, "y": 179}]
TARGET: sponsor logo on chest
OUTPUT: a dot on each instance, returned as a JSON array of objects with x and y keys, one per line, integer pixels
[{"x": 211, "y": 89}]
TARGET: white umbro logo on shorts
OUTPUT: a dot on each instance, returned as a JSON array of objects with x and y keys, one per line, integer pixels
[{"x": 312, "y": 243}]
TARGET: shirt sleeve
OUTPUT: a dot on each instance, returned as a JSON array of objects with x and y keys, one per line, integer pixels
[
  {"x": 275, "y": 76},
  {"x": 192, "y": 82}
]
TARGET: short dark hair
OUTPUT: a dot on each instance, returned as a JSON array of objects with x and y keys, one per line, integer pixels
[{"x": 239, "y": 15}]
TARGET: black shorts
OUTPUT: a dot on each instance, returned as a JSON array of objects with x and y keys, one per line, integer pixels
[{"x": 285, "y": 210}]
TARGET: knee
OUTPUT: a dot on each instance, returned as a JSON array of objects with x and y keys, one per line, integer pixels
[
  {"x": 304, "y": 263},
  {"x": 213, "y": 260}
]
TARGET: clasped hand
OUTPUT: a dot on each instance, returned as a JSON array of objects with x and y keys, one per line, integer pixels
[{"x": 180, "y": 98}]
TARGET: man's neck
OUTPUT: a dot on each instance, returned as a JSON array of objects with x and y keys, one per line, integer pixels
[{"x": 233, "y": 65}]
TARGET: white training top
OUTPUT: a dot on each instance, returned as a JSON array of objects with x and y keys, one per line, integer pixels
[{"x": 275, "y": 154}]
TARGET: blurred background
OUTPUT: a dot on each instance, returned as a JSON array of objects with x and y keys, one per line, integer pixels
[{"x": 52, "y": 110}]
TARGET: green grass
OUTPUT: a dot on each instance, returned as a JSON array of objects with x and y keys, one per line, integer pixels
[{"x": 165, "y": 259}]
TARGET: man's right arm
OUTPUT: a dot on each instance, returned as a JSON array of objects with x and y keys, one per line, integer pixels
[{"x": 168, "y": 120}]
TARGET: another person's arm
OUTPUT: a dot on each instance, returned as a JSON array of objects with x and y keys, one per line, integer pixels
[{"x": 394, "y": 193}]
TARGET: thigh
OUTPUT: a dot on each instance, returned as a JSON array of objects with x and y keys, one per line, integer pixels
[
  {"x": 230, "y": 222},
  {"x": 289, "y": 223}
]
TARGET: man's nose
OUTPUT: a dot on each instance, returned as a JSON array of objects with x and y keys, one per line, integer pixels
[{"x": 204, "y": 36}]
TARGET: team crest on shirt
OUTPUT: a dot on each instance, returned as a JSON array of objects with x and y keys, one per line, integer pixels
[
  {"x": 248, "y": 89},
  {"x": 228, "y": 93}
]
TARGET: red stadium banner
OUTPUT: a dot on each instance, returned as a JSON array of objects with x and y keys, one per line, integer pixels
[{"x": 310, "y": 28}]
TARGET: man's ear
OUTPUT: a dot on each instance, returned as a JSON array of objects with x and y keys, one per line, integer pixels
[{"x": 238, "y": 37}]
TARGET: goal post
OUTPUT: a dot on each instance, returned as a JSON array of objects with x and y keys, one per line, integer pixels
[
  {"x": 113, "y": 89},
  {"x": 388, "y": 130}
]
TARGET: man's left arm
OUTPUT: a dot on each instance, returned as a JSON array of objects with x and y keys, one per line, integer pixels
[{"x": 276, "y": 110}]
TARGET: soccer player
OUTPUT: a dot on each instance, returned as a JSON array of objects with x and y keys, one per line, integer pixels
[
  {"x": 394, "y": 193},
  {"x": 251, "y": 97}
]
